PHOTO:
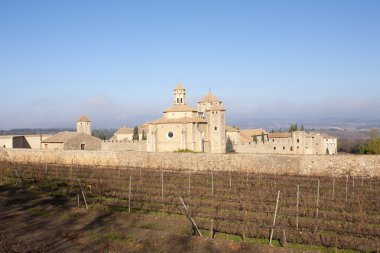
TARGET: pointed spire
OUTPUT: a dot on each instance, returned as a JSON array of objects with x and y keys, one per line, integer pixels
[
  {"x": 179, "y": 86},
  {"x": 210, "y": 98},
  {"x": 83, "y": 118}
]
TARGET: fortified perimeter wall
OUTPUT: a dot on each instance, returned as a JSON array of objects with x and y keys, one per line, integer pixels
[
  {"x": 260, "y": 163},
  {"x": 123, "y": 145}
]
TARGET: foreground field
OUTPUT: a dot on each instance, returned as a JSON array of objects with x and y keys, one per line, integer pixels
[
  {"x": 32, "y": 221},
  {"x": 326, "y": 214}
]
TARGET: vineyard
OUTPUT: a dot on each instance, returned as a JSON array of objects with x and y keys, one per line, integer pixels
[{"x": 337, "y": 212}]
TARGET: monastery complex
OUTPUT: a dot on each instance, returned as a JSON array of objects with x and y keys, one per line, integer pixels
[{"x": 182, "y": 128}]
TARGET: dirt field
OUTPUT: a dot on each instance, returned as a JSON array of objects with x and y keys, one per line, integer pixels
[{"x": 33, "y": 221}]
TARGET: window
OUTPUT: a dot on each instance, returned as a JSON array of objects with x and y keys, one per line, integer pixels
[
  {"x": 291, "y": 148},
  {"x": 82, "y": 146},
  {"x": 170, "y": 135},
  {"x": 298, "y": 147},
  {"x": 283, "y": 148},
  {"x": 216, "y": 128},
  {"x": 274, "y": 148},
  {"x": 3, "y": 146},
  {"x": 298, "y": 140}
]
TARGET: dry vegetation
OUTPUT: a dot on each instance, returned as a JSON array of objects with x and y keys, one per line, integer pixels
[{"x": 335, "y": 213}]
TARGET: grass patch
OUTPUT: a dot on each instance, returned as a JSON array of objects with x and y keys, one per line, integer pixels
[
  {"x": 112, "y": 237},
  {"x": 38, "y": 212},
  {"x": 186, "y": 151}
]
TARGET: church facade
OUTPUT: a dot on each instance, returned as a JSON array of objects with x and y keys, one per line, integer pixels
[{"x": 185, "y": 128}]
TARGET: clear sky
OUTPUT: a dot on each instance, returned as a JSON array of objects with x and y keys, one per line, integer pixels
[{"x": 118, "y": 61}]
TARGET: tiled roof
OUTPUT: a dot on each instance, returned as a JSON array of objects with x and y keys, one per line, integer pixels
[
  {"x": 63, "y": 137},
  {"x": 180, "y": 108},
  {"x": 244, "y": 138},
  {"x": 231, "y": 129},
  {"x": 179, "y": 120},
  {"x": 246, "y": 134},
  {"x": 209, "y": 98},
  {"x": 280, "y": 135},
  {"x": 83, "y": 118},
  {"x": 326, "y": 136},
  {"x": 124, "y": 130},
  {"x": 179, "y": 87}
]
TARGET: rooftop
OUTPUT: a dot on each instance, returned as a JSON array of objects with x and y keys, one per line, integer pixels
[
  {"x": 62, "y": 137},
  {"x": 246, "y": 134},
  {"x": 179, "y": 87},
  {"x": 83, "y": 118},
  {"x": 280, "y": 135},
  {"x": 180, "y": 108},
  {"x": 179, "y": 120},
  {"x": 209, "y": 98}
]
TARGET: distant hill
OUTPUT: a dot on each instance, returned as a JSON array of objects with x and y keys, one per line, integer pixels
[
  {"x": 351, "y": 135},
  {"x": 25, "y": 131},
  {"x": 102, "y": 133}
]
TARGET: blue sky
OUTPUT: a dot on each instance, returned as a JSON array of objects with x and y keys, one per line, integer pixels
[{"x": 118, "y": 61}]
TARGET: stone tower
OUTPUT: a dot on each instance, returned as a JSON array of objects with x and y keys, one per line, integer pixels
[
  {"x": 179, "y": 95},
  {"x": 206, "y": 103},
  {"x": 211, "y": 108},
  {"x": 216, "y": 128},
  {"x": 84, "y": 125}
]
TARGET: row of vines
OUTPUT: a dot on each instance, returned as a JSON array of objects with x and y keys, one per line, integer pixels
[{"x": 341, "y": 212}]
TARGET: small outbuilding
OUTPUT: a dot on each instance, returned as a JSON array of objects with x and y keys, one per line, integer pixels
[{"x": 79, "y": 140}]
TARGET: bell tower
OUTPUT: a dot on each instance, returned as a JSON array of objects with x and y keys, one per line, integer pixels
[
  {"x": 84, "y": 125},
  {"x": 179, "y": 95},
  {"x": 216, "y": 128}
]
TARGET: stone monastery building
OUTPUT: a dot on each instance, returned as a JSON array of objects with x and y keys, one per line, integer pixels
[
  {"x": 204, "y": 129},
  {"x": 184, "y": 128}
]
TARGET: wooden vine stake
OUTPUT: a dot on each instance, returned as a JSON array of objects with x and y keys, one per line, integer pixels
[
  {"x": 346, "y": 186},
  {"x": 333, "y": 191},
  {"x": 189, "y": 183},
  {"x": 274, "y": 218},
  {"x": 298, "y": 202},
  {"x": 212, "y": 210},
  {"x": 230, "y": 180},
  {"x": 129, "y": 194},
  {"x": 162, "y": 192},
  {"x": 317, "y": 213},
  {"x": 195, "y": 227},
  {"x": 84, "y": 197}
]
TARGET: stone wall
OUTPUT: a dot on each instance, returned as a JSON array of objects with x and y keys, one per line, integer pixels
[
  {"x": 322, "y": 165},
  {"x": 124, "y": 145}
]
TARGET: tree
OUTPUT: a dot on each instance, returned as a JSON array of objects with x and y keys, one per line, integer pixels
[
  {"x": 135, "y": 134},
  {"x": 99, "y": 134},
  {"x": 254, "y": 138},
  {"x": 229, "y": 146},
  {"x": 143, "y": 135},
  {"x": 262, "y": 137},
  {"x": 294, "y": 127},
  {"x": 372, "y": 146}
]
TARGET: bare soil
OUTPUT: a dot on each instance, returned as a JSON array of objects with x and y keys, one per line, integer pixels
[{"x": 33, "y": 221}]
